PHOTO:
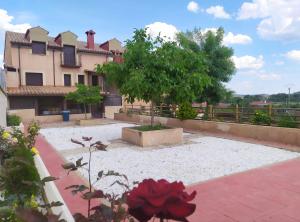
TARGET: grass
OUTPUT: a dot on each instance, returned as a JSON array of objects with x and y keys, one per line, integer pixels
[{"x": 150, "y": 128}]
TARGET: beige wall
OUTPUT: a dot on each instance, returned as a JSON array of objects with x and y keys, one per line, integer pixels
[
  {"x": 28, "y": 115},
  {"x": 111, "y": 110},
  {"x": 44, "y": 64},
  {"x": 3, "y": 108}
]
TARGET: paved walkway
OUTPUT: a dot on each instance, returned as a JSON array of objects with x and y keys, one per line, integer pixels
[{"x": 270, "y": 193}]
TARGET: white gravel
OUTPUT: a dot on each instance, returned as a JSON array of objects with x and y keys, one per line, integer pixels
[
  {"x": 60, "y": 138},
  {"x": 201, "y": 159},
  {"x": 209, "y": 158}
]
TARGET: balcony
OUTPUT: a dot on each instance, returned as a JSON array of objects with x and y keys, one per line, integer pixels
[{"x": 70, "y": 61}]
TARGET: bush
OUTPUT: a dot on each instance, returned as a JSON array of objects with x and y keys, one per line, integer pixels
[
  {"x": 261, "y": 118},
  {"x": 13, "y": 120},
  {"x": 186, "y": 111},
  {"x": 287, "y": 121}
]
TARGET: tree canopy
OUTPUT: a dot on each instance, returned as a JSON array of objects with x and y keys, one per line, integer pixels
[{"x": 216, "y": 57}]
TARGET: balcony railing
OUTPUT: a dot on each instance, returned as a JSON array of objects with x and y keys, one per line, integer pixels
[{"x": 70, "y": 62}]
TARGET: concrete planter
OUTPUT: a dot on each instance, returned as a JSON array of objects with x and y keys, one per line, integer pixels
[
  {"x": 280, "y": 135},
  {"x": 152, "y": 138}
]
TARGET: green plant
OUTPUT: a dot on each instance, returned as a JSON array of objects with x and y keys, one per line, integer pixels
[
  {"x": 186, "y": 111},
  {"x": 287, "y": 121},
  {"x": 149, "y": 127},
  {"x": 85, "y": 95},
  {"x": 261, "y": 118},
  {"x": 13, "y": 120}
]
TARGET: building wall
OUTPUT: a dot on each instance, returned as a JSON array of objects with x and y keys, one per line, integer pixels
[
  {"x": 3, "y": 108},
  {"x": 44, "y": 64}
]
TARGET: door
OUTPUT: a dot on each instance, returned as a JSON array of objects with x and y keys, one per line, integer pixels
[
  {"x": 69, "y": 55},
  {"x": 98, "y": 110}
]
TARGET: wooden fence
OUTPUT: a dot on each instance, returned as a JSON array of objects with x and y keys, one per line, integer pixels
[{"x": 227, "y": 114}]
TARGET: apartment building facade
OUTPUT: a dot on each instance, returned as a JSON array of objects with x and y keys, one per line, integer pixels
[{"x": 40, "y": 70}]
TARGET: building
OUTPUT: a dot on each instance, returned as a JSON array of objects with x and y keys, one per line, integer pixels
[
  {"x": 40, "y": 70},
  {"x": 3, "y": 100}
]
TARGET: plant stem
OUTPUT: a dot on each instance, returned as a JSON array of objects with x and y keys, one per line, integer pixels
[{"x": 90, "y": 183}]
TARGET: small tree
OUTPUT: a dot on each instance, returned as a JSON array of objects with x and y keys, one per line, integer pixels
[
  {"x": 85, "y": 95},
  {"x": 154, "y": 69}
]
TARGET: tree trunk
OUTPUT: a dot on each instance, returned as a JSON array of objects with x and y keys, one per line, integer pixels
[
  {"x": 152, "y": 113},
  {"x": 85, "y": 115}
]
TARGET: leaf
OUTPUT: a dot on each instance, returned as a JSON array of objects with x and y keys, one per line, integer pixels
[
  {"x": 68, "y": 166},
  {"x": 85, "y": 138},
  {"x": 77, "y": 142},
  {"x": 120, "y": 183},
  {"x": 78, "y": 162},
  {"x": 93, "y": 195},
  {"x": 100, "y": 174},
  {"x": 48, "y": 179}
]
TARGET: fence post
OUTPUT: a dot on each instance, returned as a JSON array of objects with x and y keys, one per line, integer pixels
[
  {"x": 270, "y": 110},
  {"x": 210, "y": 112},
  {"x": 237, "y": 113},
  {"x": 160, "y": 107}
]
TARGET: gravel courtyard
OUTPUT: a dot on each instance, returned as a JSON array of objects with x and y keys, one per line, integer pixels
[{"x": 199, "y": 158}]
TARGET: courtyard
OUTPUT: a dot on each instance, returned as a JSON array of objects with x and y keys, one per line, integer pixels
[{"x": 198, "y": 159}]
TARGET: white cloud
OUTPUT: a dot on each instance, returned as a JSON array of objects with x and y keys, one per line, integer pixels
[
  {"x": 7, "y": 25},
  {"x": 279, "y": 19},
  {"x": 231, "y": 39},
  {"x": 261, "y": 74},
  {"x": 248, "y": 62},
  {"x": 293, "y": 55},
  {"x": 166, "y": 31},
  {"x": 193, "y": 7},
  {"x": 218, "y": 12}
]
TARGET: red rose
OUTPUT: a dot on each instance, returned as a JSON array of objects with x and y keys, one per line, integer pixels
[{"x": 161, "y": 199}]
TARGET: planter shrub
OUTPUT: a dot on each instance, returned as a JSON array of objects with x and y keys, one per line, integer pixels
[
  {"x": 13, "y": 120},
  {"x": 261, "y": 118},
  {"x": 287, "y": 121},
  {"x": 186, "y": 111}
]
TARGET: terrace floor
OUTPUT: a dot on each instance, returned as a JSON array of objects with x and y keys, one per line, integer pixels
[{"x": 270, "y": 192}]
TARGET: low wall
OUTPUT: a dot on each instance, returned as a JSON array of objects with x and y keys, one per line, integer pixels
[
  {"x": 28, "y": 115},
  {"x": 51, "y": 192},
  {"x": 111, "y": 110},
  {"x": 288, "y": 136},
  {"x": 152, "y": 138}
]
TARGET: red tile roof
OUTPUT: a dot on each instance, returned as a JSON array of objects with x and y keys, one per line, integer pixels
[{"x": 40, "y": 90}]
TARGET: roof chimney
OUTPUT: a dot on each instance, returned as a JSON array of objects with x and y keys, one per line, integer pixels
[{"x": 90, "y": 39}]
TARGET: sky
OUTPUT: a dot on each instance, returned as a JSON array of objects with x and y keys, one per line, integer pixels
[{"x": 265, "y": 34}]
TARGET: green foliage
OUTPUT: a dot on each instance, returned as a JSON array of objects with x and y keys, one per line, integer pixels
[
  {"x": 154, "y": 69},
  {"x": 13, "y": 120},
  {"x": 19, "y": 177},
  {"x": 287, "y": 121},
  {"x": 216, "y": 58},
  {"x": 85, "y": 95},
  {"x": 261, "y": 118},
  {"x": 150, "y": 128},
  {"x": 186, "y": 111}
]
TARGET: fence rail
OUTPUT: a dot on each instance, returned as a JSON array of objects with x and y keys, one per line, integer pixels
[{"x": 227, "y": 114}]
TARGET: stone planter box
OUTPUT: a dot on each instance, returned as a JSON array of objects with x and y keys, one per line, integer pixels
[{"x": 152, "y": 138}]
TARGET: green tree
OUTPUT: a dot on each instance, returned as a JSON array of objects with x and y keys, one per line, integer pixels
[
  {"x": 217, "y": 59},
  {"x": 154, "y": 69},
  {"x": 85, "y": 95}
]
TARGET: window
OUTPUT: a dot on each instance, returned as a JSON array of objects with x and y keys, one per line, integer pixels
[
  {"x": 69, "y": 55},
  {"x": 39, "y": 48},
  {"x": 81, "y": 79},
  {"x": 95, "y": 81},
  {"x": 34, "y": 79},
  {"x": 67, "y": 79}
]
